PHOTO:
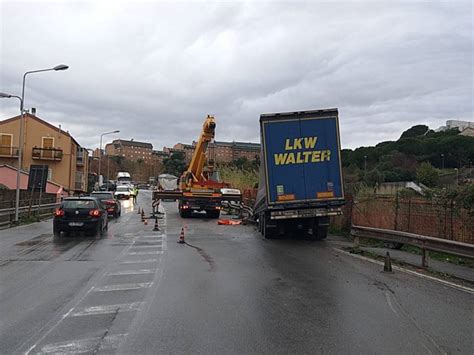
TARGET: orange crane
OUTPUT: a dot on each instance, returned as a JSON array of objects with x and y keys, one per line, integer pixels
[{"x": 200, "y": 188}]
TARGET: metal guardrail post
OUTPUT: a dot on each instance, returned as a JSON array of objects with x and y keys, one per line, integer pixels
[{"x": 424, "y": 257}]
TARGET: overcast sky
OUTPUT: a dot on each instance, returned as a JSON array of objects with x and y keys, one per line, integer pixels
[{"x": 155, "y": 69}]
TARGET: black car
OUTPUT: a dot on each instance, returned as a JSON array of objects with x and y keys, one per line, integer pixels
[
  {"x": 80, "y": 214},
  {"x": 111, "y": 203}
]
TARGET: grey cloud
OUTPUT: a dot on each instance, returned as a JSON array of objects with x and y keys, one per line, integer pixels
[{"x": 154, "y": 70}]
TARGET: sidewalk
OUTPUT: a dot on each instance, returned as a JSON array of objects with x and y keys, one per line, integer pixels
[{"x": 458, "y": 271}]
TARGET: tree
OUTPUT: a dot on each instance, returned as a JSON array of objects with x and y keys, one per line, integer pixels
[
  {"x": 175, "y": 164},
  {"x": 415, "y": 131},
  {"x": 427, "y": 174}
]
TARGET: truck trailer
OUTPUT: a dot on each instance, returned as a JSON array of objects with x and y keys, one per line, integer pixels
[{"x": 300, "y": 173}]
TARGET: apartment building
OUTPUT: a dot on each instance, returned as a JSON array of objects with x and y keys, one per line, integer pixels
[
  {"x": 45, "y": 144},
  {"x": 222, "y": 152},
  {"x": 131, "y": 150}
]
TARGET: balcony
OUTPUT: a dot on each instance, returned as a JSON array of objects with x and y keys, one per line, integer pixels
[
  {"x": 47, "y": 154},
  {"x": 80, "y": 160},
  {"x": 7, "y": 151}
]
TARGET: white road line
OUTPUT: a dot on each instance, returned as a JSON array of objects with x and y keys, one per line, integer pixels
[
  {"x": 132, "y": 272},
  {"x": 139, "y": 261},
  {"x": 145, "y": 252},
  {"x": 107, "y": 309},
  {"x": 122, "y": 287},
  {"x": 83, "y": 345},
  {"x": 159, "y": 246},
  {"x": 407, "y": 271}
]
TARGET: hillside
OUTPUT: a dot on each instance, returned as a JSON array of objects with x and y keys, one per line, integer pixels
[{"x": 399, "y": 160}]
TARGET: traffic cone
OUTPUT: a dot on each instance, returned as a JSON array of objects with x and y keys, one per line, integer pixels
[
  {"x": 387, "y": 267},
  {"x": 139, "y": 210},
  {"x": 156, "y": 228},
  {"x": 181, "y": 237},
  {"x": 143, "y": 215}
]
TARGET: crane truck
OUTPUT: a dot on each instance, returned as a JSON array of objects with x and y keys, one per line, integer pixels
[
  {"x": 300, "y": 174},
  {"x": 200, "y": 188}
]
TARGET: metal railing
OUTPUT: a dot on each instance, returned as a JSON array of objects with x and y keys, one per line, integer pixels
[
  {"x": 42, "y": 210},
  {"x": 423, "y": 242},
  {"x": 8, "y": 151},
  {"x": 47, "y": 153}
]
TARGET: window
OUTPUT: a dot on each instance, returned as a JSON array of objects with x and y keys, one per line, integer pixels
[
  {"x": 47, "y": 145},
  {"x": 6, "y": 141}
]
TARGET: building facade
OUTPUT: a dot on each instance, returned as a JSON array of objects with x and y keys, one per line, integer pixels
[
  {"x": 130, "y": 150},
  {"x": 222, "y": 152},
  {"x": 45, "y": 144}
]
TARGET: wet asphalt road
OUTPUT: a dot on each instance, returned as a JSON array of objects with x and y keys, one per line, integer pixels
[{"x": 226, "y": 291}]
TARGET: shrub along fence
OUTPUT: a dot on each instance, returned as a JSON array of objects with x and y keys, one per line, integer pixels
[{"x": 413, "y": 215}]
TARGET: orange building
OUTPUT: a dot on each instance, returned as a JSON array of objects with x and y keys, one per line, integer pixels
[{"x": 45, "y": 144}]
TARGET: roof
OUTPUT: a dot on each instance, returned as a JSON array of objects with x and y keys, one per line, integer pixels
[
  {"x": 130, "y": 143},
  {"x": 241, "y": 145},
  {"x": 43, "y": 122},
  {"x": 27, "y": 173}
]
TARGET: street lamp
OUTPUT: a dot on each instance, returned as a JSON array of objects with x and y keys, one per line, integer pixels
[
  {"x": 20, "y": 144},
  {"x": 442, "y": 161},
  {"x": 100, "y": 149}
]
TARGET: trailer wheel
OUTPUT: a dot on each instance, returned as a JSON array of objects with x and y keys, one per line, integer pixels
[
  {"x": 268, "y": 233},
  {"x": 322, "y": 232}
]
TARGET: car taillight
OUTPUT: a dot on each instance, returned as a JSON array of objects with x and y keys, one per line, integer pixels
[
  {"x": 109, "y": 202},
  {"x": 94, "y": 213},
  {"x": 59, "y": 212},
  {"x": 185, "y": 207}
]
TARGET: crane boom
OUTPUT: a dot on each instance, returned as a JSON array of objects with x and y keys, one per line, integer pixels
[
  {"x": 194, "y": 173},
  {"x": 199, "y": 191}
]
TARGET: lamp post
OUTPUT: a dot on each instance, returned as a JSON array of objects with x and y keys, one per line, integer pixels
[
  {"x": 20, "y": 144},
  {"x": 442, "y": 161},
  {"x": 100, "y": 149}
]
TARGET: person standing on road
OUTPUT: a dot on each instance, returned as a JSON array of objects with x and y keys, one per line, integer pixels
[{"x": 134, "y": 194}]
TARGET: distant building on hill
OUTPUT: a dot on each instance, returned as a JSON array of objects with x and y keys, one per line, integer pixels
[
  {"x": 131, "y": 150},
  {"x": 468, "y": 131},
  {"x": 460, "y": 125},
  {"x": 222, "y": 152}
]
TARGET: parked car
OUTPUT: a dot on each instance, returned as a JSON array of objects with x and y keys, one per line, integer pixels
[
  {"x": 122, "y": 192},
  {"x": 111, "y": 203},
  {"x": 80, "y": 214}
]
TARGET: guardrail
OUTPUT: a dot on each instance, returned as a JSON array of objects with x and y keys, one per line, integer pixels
[
  {"x": 425, "y": 243},
  {"x": 46, "y": 208}
]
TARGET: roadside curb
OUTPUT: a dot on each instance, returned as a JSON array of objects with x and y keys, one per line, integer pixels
[{"x": 408, "y": 271}]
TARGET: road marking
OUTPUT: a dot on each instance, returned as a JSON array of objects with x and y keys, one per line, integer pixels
[
  {"x": 122, "y": 287},
  {"x": 132, "y": 272},
  {"x": 387, "y": 297},
  {"x": 139, "y": 261},
  {"x": 147, "y": 246},
  {"x": 84, "y": 345},
  {"x": 107, "y": 309},
  {"x": 407, "y": 271},
  {"x": 145, "y": 252}
]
